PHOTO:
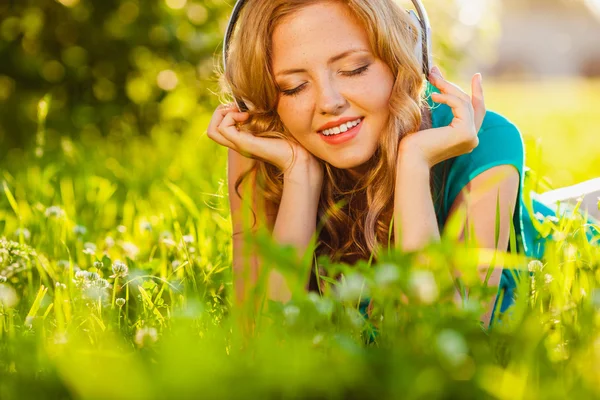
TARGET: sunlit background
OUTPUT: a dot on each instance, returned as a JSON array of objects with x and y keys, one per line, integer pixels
[{"x": 115, "y": 233}]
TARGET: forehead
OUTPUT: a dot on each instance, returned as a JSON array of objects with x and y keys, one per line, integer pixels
[{"x": 315, "y": 33}]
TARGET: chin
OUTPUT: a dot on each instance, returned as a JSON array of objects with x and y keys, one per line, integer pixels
[{"x": 352, "y": 162}]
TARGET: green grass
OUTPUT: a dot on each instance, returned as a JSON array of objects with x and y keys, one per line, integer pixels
[{"x": 76, "y": 324}]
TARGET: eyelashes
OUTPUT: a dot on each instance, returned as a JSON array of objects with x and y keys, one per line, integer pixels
[{"x": 357, "y": 72}]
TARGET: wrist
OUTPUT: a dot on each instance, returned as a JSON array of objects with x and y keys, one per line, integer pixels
[
  {"x": 305, "y": 171},
  {"x": 411, "y": 157}
]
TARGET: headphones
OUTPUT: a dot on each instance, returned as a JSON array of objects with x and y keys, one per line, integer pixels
[{"x": 422, "y": 48}]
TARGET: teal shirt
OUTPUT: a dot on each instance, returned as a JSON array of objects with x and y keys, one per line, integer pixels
[{"x": 500, "y": 143}]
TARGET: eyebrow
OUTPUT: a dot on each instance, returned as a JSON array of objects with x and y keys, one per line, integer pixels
[{"x": 331, "y": 60}]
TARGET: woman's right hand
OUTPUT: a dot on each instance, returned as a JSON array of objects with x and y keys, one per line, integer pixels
[{"x": 279, "y": 152}]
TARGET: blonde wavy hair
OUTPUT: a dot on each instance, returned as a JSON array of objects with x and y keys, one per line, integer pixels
[{"x": 353, "y": 230}]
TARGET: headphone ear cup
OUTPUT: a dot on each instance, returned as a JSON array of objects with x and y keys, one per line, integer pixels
[{"x": 419, "y": 50}]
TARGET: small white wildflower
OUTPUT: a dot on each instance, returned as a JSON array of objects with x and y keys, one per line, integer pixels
[
  {"x": 146, "y": 336},
  {"x": 109, "y": 242},
  {"x": 89, "y": 248},
  {"x": 119, "y": 269},
  {"x": 120, "y": 302},
  {"x": 188, "y": 239},
  {"x": 8, "y": 296},
  {"x": 63, "y": 263},
  {"x": 130, "y": 249},
  {"x": 146, "y": 226},
  {"x": 452, "y": 346},
  {"x": 81, "y": 275},
  {"x": 387, "y": 274},
  {"x": 352, "y": 288},
  {"x": 79, "y": 230},
  {"x": 169, "y": 242},
  {"x": 25, "y": 232},
  {"x": 121, "y": 228},
  {"x": 175, "y": 264},
  {"x": 535, "y": 265},
  {"x": 548, "y": 278},
  {"x": 98, "y": 265},
  {"x": 59, "y": 285},
  {"x": 191, "y": 250},
  {"x": 54, "y": 212},
  {"x": 423, "y": 285},
  {"x": 93, "y": 276},
  {"x": 291, "y": 313},
  {"x": 356, "y": 319}
]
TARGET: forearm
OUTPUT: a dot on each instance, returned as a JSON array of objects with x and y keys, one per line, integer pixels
[
  {"x": 415, "y": 222},
  {"x": 296, "y": 218}
]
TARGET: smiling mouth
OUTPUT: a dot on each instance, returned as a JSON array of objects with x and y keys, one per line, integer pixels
[{"x": 345, "y": 127}]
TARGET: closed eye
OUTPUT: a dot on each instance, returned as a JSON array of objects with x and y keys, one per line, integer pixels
[{"x": 356, "y": 72}]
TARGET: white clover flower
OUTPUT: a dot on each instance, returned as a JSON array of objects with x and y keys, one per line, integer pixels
[
  {"x": 146, "y": 226},
  {"x": 79, "y": 230},
  {"x": 352, "y": 288},
  {"x": 387, "y": 274},
  {"x": 89, "y": 248},
  {"x": 8, "y": 296},
  {"x": 291, "y": 313},
  {"x": 169, "y": 242},
  {"x": 119, "y": 269},
  {"x": 120, "y": 302},
  {"x": 146, "y": 336},
  {"x": 423, "y": 285},
  {"x": 535, "y": 265},
  {"x": 93, "y": 276},
  {"x": 452, "y": 346},
  {"x": 109, "y": 242},
  {"x": 81, "y": 275},
  {"x": 130, "y": 249},
  {"x": 98, "y": 264},
  {"x": 25, "y": 232},
  {"x": 54, "y": 212}
]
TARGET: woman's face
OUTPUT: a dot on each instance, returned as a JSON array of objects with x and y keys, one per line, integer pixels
[{"x": 323, "y": 55}]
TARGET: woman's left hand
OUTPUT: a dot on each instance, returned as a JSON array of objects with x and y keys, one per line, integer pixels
[{"x": 460, "y": 137}]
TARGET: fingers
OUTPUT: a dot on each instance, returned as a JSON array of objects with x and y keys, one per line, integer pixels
[
  {"x": 217, "y": 119},
  {"x": 228, "y": 129},
  {"x": 446, "y": 87},
  {"x": 478, "y": 100},
  {"x": 460, "y": 108}
]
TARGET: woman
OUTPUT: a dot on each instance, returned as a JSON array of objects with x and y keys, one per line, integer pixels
[{"x": 339, "y": 110}]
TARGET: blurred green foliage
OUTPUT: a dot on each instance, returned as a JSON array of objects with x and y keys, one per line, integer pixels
[{"x": 121, "y": 68}]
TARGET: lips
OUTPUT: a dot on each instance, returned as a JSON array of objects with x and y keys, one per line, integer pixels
[{"x": 338, "y": 122}]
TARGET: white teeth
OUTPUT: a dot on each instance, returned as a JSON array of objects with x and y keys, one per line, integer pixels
[{"x": 342, "y": 128}]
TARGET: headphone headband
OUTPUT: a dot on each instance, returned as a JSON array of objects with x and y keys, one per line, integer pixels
[{"x": 422, "y": 21}]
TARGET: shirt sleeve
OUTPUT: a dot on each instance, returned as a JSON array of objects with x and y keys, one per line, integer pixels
[{"x": 500, "y": 143}]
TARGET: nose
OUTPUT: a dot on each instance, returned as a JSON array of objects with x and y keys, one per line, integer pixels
[{"x": 330, "y": 101}]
